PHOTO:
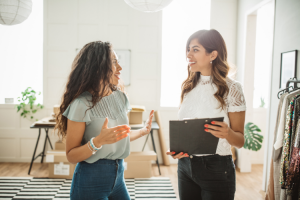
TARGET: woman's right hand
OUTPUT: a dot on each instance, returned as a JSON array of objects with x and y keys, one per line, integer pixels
[
  {"x": 111, "y": 135},
  {"x": 177, "y": 156}
]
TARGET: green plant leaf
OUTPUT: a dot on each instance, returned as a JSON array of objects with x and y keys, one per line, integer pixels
[
  {"x": 26, "y": 103},
  {"x": 253, "y": 139}
]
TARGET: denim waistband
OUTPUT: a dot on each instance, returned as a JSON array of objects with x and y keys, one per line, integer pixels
[{"x": 211, "y": 157}]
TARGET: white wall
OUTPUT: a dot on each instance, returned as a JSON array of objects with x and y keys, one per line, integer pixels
[
  {"x": 223, "y": 18},
  {"x": 17, "y": 141},
  {"x": 68, "y": 25},
  {"x": 260, "y": 119},
  {"x": 244, "y": 7},
  {"x": 286, "y": 38}
]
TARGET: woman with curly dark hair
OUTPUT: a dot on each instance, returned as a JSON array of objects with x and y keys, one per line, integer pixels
[
  {"x": 93, "y": 118},
  {"x": 208, "y": 92}
]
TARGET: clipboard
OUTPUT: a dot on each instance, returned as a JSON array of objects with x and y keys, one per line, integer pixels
[{"x": 188, "y": 136}]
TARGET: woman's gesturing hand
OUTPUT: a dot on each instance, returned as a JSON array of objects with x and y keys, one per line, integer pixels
[
  {"x": 220, "y": 131},
  {"x": 148, "y": 124},
  {"x": 178, "y": 156},
  {"x": 111, "y": 135}
]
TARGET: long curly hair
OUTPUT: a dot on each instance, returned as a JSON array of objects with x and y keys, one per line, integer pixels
[
  {"x": 211, "y": 40},
  {"x": 91, "y": 71}
]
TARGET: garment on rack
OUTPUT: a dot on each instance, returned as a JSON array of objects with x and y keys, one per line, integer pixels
[
  {"x": 270, "y": 194},
  {"x": 287, "y": 141},
  {"x": 292, "y": 184},
  {"x": 295, "y": 123},
  {"x": 277, "y": 153},
  {"x": 270, "y": 189},
  {"x": 293, "y": 178},
  {"x": 281, "y": 125}
]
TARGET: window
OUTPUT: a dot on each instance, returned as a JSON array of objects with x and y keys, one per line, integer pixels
[
  {"x": 263, "y": 55},
  {"x": 21, "y": 50},
  {"x": 179, "y": 20}
]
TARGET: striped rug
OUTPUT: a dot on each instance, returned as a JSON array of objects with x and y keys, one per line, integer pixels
[{"x": 43, "y": 188}]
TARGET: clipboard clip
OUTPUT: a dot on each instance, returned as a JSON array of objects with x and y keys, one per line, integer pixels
[{"x": 185, "y": 119}]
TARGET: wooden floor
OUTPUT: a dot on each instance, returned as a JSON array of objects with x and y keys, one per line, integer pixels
[{"x": 248, "y": 185}]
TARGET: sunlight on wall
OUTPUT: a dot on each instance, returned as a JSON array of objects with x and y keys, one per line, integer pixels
[
  {"x": 21, "y": 51},
  {"x": 180, "y": 19},
  {"x": 263, "y": 54}
]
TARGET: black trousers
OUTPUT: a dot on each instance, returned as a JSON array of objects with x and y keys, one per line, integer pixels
[{"x": 206, "y": 178}]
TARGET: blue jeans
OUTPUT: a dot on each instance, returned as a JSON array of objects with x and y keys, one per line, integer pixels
[
  {"x": 103, "y": 179},
  {"x": 206, "y": 178}
]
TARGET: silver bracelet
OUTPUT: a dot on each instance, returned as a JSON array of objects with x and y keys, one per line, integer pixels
[
  {"x": 93, "y": 152},
  {"x": 93, "y": 146}
]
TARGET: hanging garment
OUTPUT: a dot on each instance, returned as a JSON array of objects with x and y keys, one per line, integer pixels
[
  {"x": 295, "y": 123},
  {"x": 270, "y": 194},
  {"x": 293, "y": 174},
  {"x": 277, "y": 152},
  {"x": 285, "y": 156},
  {"x": 293, "y": 177},
  {"x": 281, "y": 125},
  {"x": 285, "y": 159},
  {"x": 270, "y": 189}
]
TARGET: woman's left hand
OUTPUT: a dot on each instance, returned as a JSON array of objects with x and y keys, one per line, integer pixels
[
  {"x": 219, "y": 132},
  {"x": 148, "y": 124}
]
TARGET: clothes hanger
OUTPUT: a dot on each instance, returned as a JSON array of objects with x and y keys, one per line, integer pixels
[{"x": 287, "y": 89}]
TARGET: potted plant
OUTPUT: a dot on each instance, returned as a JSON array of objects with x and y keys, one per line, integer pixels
[{"x": 27, "y": 105}]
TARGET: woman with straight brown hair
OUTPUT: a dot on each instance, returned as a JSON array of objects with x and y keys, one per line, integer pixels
[{"x": 208, "y": 92}]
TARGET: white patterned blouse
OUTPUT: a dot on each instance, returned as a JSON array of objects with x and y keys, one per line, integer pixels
[{"x": 201, "y": 103}]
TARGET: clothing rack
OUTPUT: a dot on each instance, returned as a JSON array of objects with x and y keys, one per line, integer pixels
[{"x": 287, "y": 89}]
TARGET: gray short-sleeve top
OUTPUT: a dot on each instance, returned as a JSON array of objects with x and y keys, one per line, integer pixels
[{"x": 115, "y": 107}]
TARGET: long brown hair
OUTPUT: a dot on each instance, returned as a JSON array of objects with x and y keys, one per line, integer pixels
[
  {"x": 211, "y": 40},
  {"x": 91, "y": 71}
]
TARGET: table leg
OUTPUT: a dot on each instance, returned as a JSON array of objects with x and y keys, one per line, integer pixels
[
  {"x": 46, "y": 138},
  {"x": 37, "y": 142},
  {"x": 49, "y": 140},
  {"x": 151, "y": 132},
  {"x": 145, "y": 142}
]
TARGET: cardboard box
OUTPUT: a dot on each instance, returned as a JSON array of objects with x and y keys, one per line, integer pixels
[
  {"x": 56, "y": 109},
  {"x": 59, "y": 166},
  {"x": 135, "y": 117},
  {"x": 61, "y": 170},
  {"x": 56, "y": 156},
  {"x": 60, "y": 146},
  {"x": 139, "y": 164}
]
